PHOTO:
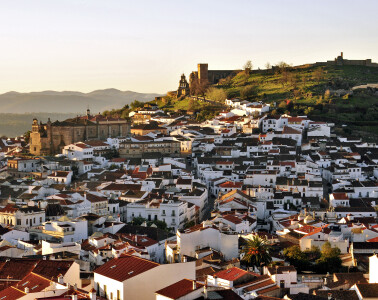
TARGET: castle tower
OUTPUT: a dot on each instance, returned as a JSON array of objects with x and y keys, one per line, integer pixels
[{"x": 203, "y": 74}]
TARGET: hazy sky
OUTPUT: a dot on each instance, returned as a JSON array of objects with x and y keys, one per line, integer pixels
[{"x": 144, "y": 46}]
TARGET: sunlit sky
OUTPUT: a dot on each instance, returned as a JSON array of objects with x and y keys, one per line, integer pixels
[{"x": 144, "y": 45}]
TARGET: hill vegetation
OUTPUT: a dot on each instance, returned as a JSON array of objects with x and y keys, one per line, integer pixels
[{"x": 324, "y": 93}]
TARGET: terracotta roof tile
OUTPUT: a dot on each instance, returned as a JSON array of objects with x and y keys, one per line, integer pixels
[
  {"x": 179, "y": 289},
  {"x": 125, "y": 267},
  {"x": 231, "y": 274}
]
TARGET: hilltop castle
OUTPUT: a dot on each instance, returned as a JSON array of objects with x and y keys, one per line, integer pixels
[
  {"x": 51, "y": 137},
  {"x": 203, "y": 75},
  {"x": 340, "y": 61},
  {"x": 212, "y": 76}
]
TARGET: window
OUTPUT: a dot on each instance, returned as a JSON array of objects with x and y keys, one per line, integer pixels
[
  {"x": 27, "y": 221},
  {"x": 18, "y": 221}
]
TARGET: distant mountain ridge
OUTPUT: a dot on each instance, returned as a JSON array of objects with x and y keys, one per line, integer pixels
[{"x": 69, "y": 101}]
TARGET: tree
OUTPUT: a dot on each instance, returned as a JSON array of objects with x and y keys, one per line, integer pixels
[
  {"x": 248, "y": 67},
  {"x": 282, "y": 106},
  {"x": 294, "y": 255},
  {"x": 225, "y": 81},
  {"x": 198, "y": 87},
  {"x": 282, "y": 65},
  {"x": 249, "y": 92},
  {"x": 27, "y": 136},
  {"x": 136, "y": 104},
  {"x": 257, "y": 252},
  {"x": 329, "y": 260},
  {"x": 268, "y": 66},
  {"x": 138, "y": 221},
  {"x": 302, "y": 260},
  {"x": 218, "y": 95},
  {"x": 159, "y": 224}
]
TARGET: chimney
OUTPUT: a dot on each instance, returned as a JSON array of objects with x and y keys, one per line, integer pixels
[
  {"x": 26, "y": 290},
  {"x": 342, "y": 55},
  {"x": 74, "y": 296},
  {"x": 205, "y": 291},
  {"x": 194, "y": 285},
  {"x": 60, "y": 279},
  {"x": 216, "y": 280},
  {"x": 92, "y": 294}
]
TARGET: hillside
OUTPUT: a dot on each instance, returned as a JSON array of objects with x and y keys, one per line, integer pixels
[
  {"x": 323, "y": 93},
  {"x": 68, "y": 102}
]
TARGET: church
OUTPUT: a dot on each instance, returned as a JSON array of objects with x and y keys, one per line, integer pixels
[{"x": 51, "y": 137}]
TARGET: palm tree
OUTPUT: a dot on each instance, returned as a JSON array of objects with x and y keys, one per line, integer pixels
[{"x": 257, "y": 252}]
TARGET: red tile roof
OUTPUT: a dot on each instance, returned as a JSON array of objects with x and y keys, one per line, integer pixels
[
  {"x": 295, "y": 120},
  {"x": 34, "y": 282},
  {"x": 51, "y": 269},
  {"x": 140, "y": 240},
  {"x": 317, "y": 230},
  {"x": 340, "y": 196},
  {"x": 17, "y": 269},
  {"x": 9, "y": 208},
  {"x": 122, "y": 187},
  {"x": 179, "y": 289},
  {"x": 231, "y": 274},
  {"x": 81, "y": 145},
  {"x": 260, "y": 284},
  {"x": 289, "y": 130},
  {"x": 96, "y": 144},
  {"x": 233, "y": 219},
  {"x": 63, "y": 174},
  {"x": 94, "y": 198},
  {"x": 11, "y": 293},
  {"x": 373, "y": 240},
  {"x": 230, "y": 184},
  {"x": 125, "y": 267}
]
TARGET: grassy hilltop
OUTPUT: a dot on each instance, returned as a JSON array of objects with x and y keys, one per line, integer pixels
[{"x": 324, "y": 93}]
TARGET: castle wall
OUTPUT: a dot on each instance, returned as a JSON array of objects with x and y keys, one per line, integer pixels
[{"x": 216, "y": 75}]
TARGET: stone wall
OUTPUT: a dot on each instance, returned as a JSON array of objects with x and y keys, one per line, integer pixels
[{"x": 59, "y": 136}]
